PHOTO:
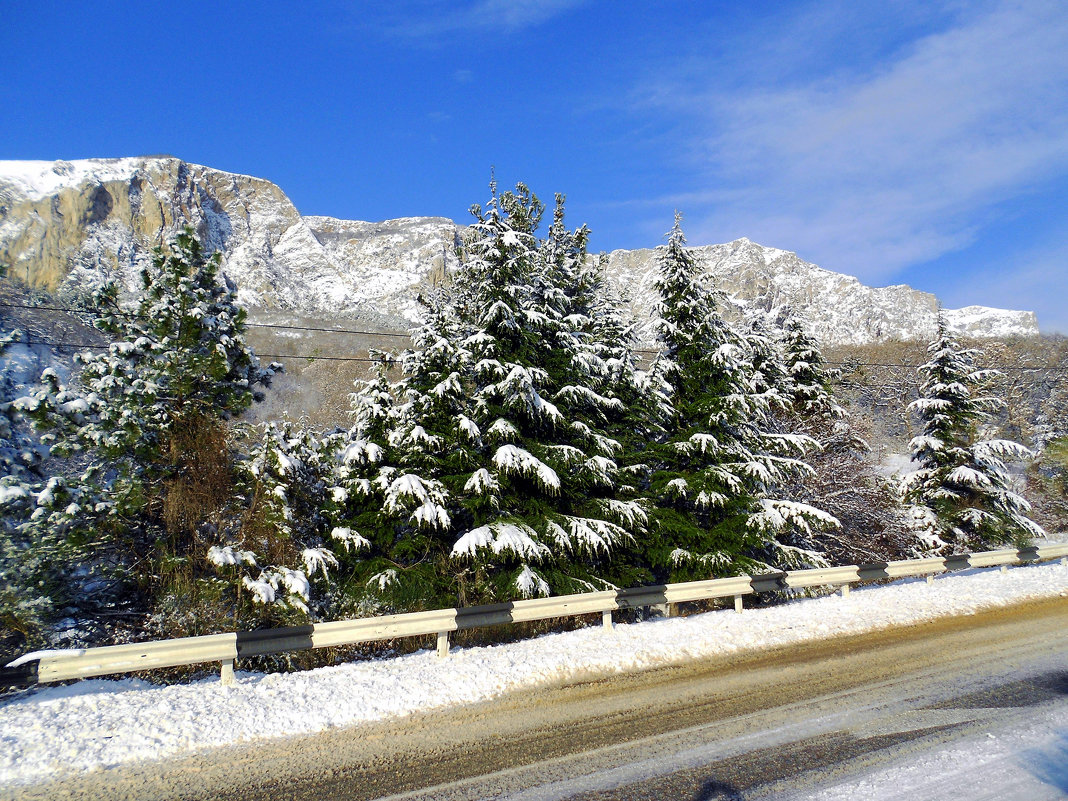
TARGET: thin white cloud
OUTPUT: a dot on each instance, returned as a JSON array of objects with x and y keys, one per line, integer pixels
[
  {"x": 434, "y": 19},
  {"x": 871, "y": 172},
  {"x": 1038, "y": 281}
]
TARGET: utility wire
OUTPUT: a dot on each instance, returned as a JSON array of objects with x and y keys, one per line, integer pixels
[
  {"x": 248, "y": 324},
  {"x": 31, "y": 340},
  {"x": 1052, "y": 368}
]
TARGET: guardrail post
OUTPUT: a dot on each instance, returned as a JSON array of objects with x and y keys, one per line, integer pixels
[
  {"x": 845, "y": 590},
  {"x": 1004, "y": 568},
  {"x": 606, "y": 620},
  {"x": 738, "y": 603},
  {"x": 226, "y": 674},
  {"x": 930, "y": 578},
  {"x": 443, "y": 644}
]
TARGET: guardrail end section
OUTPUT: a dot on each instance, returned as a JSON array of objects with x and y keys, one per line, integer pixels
[{"x": 24, "y": 675}]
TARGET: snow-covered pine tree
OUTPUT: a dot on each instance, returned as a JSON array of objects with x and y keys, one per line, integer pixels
[
  {"x": 34, "y": 563},
  {"x": 961, "y": 491},
  {"x": 810, "y": 382},
  {"x": 391, "y": 509},
  {"x": 644, "y": 395},
  {"x": 496, "y": 427},
  {"x": 769, "y": 372},
  {"x": 545, "y": 458},
  {"x": 148, "y": 420},
  {"x": 1047, "y": 479},
  {"x": 719, "y": 466}
]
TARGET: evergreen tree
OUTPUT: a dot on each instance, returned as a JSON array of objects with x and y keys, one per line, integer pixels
[
  {"x": 147, "y": 421},
  {"x": 770, "y": 375},
  {"x": 809, "y": 381},
  {"x": 498, "y": 423},
  {"x": 35, "y": 580},
  {"x": 277, "y": 549},
  {"x": 719, "y": 466},
  {"x": 961, "y": 491},
  {"x": 390, "y": 509},
  {"x": 546, "y": 460},
  {"x": 843, "y": 481}
]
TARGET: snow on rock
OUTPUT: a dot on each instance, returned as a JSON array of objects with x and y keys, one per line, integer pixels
[
  {"x": 72, "y": 224},
  {"x": 838, "y": 308},
  {"x": 91, "y": 725}
]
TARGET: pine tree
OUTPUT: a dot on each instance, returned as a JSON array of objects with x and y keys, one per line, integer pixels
[
  {"x": 498, "y": 423},
  {"x": 35, "y": 579},
  {"x": 391, "y": 511},
  {"x": 719, "y": 466},
  {"x": 843, "y": 481},
  {"x": 809, "y": 382},
  {"x": 546, "y": 460},
  {"x": 278, "y": 548},
  {"x": 147, "y": 420},
  {"x": 961, "y": 491}
]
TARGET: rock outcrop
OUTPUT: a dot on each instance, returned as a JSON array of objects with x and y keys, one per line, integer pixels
[{"x": 68, "y": 226}]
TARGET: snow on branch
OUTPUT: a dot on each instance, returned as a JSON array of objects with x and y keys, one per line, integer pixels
[
  {"x": 516, "y": 538},
  {"x": 516, "y": 461}
]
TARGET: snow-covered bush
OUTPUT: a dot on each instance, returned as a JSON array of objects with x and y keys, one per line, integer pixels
[
  {"x": 277, "y": 550},
  {"x": 34, "y": 562}
]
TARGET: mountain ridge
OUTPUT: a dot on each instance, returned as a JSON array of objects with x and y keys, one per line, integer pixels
[{"x": 67, "y": 226}]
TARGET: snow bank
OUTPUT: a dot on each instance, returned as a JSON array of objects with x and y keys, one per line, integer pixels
[{"x": 96, "y": 724}]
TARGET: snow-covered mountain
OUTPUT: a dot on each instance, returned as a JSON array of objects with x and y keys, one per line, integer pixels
[
  {"x": 68, "y": 226},
  {"x": 839, "y": 309}
]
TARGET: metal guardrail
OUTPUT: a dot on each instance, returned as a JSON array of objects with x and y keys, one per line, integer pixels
[{"x": 49, "y": 666}]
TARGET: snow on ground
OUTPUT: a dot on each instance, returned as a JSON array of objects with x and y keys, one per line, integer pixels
[
  {"x": 1028, "y": 762},
  {"x": 95, "y": 724}
]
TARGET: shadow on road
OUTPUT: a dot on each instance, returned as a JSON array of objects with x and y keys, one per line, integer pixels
[{"x": 715, "y": 790}]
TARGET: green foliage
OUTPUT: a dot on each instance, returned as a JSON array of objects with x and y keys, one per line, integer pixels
[
  {"x": 34, "y": 564},
  {"x": 961, "y": 492},
  {"x": 146, "y": 423},
  {"x": 716, "y": 472}
]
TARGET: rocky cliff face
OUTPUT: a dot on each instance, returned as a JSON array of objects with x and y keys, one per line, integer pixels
[
  {"x": 68, "y": 226},
  {"x": 839, "y": 309}
]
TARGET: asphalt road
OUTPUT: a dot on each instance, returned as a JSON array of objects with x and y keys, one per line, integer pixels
[{"x": 772, "y": 725}]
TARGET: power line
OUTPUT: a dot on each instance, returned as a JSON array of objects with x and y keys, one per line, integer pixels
[
  {"x": 317, "y": 357},
  {"x": 1051, "y": 368},
  {"x": 85, "y": 346},
  {"x": 328, "y": 330},
  {"x": 249, "y": 325}
]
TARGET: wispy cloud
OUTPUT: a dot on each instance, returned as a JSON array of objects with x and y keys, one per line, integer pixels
[
  {"x": 1038, "y": 282},
  {"x": 872, "y": 170},
  {"x": 433, "y": 19}
]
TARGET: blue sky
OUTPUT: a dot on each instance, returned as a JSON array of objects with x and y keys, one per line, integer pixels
[{"x": 902, "y": 142}]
